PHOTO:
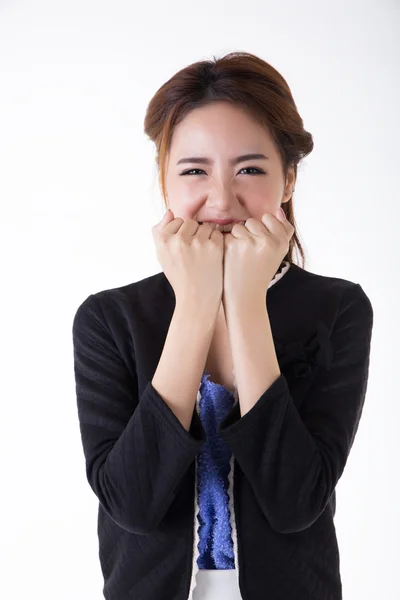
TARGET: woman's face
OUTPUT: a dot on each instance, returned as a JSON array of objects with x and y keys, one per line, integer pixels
[{"x": 203, "y": 180}]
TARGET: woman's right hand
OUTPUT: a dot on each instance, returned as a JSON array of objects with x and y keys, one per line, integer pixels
[{"x": 191, "y": 256}]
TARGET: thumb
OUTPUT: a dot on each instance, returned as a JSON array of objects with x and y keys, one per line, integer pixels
[
  {"x": 280, "y": 215},
  {"x": 168, "y": 216}
]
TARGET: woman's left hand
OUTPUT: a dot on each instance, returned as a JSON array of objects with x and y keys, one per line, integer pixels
[{"x": 252, "y": 255}]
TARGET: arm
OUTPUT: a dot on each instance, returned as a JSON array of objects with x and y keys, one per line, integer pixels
[
  {"x": 184, "y": 356},
  {"x": 136, "y": 449},
  {"x": 253, "y": 353},
  {"x": 294, "y": 458}
]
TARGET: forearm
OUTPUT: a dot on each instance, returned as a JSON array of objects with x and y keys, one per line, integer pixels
[
  {"x": 134, "y": 478},
  {"x": 253, "y": 352},
  {"x": 178, "y": 374}
]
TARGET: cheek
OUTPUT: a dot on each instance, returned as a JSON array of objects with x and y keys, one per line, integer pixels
[
  {"x": 258, "y": 204},
  {"x": 183, "y": 206},
  {"x": 188, "y": 194}
]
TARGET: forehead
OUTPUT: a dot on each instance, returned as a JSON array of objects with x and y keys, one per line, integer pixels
[{"x": 220, "y": 126}]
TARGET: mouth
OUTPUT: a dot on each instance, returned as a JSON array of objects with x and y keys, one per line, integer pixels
[{"x": 223, "y": 227}]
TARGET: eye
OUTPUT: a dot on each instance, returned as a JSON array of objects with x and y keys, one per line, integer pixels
[
  {"x": 258, "y": 171},
  {"x": 191, "y": 171}
]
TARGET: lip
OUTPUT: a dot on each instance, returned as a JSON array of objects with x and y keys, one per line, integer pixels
[{"x": 223, "y": 221}]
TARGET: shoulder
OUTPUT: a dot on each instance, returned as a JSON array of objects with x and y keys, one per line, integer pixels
[
  {"x": 314, "y": 285},
  {"x": 119, "y": 303},
  {"x": 308, "y": 297}
]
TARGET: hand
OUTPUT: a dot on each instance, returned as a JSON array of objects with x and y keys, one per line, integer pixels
[
  {"x": 252, "y": 255},
  {"x": 191, "y": 256}
]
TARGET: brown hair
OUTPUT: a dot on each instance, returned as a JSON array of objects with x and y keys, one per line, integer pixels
[{"x": 247, "y": 81}]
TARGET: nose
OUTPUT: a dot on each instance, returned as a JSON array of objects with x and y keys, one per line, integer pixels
[{"x": 222, "y": 198}]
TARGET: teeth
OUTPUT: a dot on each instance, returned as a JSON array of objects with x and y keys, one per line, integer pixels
[
  {"x": 225, "y": 228},
  {"x": 228, "y": 227}
]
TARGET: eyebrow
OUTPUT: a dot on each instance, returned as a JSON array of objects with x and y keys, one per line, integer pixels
[{"x": 233, "y": 161}]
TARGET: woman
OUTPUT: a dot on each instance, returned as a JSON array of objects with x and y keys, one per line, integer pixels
[{"x": 219, "y": 400}]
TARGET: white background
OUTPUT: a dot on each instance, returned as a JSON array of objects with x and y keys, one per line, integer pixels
[{"x": 79, "y": 196}]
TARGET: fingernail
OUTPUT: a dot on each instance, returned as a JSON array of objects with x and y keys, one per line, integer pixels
[{"x": 282, "y": 212}]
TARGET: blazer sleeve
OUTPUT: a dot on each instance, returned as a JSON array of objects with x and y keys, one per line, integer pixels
[
  {"x": 293, "y": 458},
  {"x": 136, "y": 450}
]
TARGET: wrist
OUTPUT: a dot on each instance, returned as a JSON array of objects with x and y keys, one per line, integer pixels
[
  {"x": 243, "y": 304},
  {"x": 202, "y": 312}
]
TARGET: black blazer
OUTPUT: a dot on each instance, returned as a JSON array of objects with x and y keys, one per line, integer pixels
[{"x": 289, "y": 450}]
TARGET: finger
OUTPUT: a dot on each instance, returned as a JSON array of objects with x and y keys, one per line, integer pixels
[
  {"x": 241, "y": 229},
  {"x": 254, "y": 226},
  {"x": 169, "y": 224},
  {"x": 205, "y": 230},
  {"x": 167, "y": 217},
  {"x": 274, "y": 225},
  {"x": 188, "y": 229},
  {"x": 288, "y": 227}
]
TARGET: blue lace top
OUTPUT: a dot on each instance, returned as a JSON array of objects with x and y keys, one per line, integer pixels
[{"x": 213, "y": 466}]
